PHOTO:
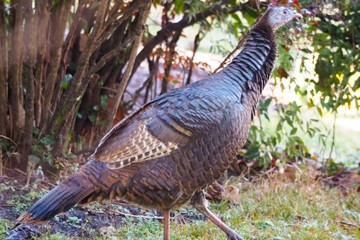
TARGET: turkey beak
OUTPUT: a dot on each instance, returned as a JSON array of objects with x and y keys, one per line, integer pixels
[{"x": 297, "y": 16}]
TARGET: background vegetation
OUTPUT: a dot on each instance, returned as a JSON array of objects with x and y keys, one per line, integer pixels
[
  {"x": 65, "y": 66},
  {"x": 71, "y": 69}
]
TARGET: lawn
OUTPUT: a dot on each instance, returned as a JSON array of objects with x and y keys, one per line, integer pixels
[{"x": 271, "y": 207}]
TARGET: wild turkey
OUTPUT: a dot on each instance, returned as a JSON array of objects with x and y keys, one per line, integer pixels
[{"x": 167, "y": 152}]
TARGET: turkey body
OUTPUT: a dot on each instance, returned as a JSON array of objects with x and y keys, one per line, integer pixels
[
  {"x": 170, "y": 181},
  {"x": 165, "y": 154},
  {"x": 208, "y": 121}
]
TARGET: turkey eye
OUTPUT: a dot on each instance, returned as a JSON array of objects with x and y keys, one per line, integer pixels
[{"x": 285, "y": 12}]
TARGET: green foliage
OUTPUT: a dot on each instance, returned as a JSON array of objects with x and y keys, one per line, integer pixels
[
  {"x": 331, "y": 41},
  {"x": 8, "y": 186},
  {"x": 74, "y": 221},
  {"x": 41, "y": 149},
  {"x": 333, "y": 167},
  {"x": 4, "y": 227},
  {"x": 94, "y": 115},
  {"x": 234, "y": 25},
  {"x": 7, "y": 146},
  {"x": 335, "y": 36},
  {"x": 286, "y": 144},
  {"x": 66, "y": 81},
  {"x": 332, "y": 45},
  {"x": 23, "y": 202}
]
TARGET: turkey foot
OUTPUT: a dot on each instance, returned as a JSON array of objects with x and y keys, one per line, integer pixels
[{"x": 199, "y": 202}]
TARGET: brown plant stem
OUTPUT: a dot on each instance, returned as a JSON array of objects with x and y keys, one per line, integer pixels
[
  {"x": 186, "y": 21},
  {"x": 63, "y": 118},
  {"x": 56, "y": 40},
  {"x": 120, "y": 92}
]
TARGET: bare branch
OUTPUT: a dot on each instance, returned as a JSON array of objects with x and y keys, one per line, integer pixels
[
  {"x": 186, "y": 21},
  {"x": 197, "y": 40},
  {"x": 226, "y": 59},
  {"x": 65, "y": 112},
  {"x": 141, "y": 21},
  {"x": 58, "y": 31},
  {"x": 111, "y": 54},
  {"x": 114, "y": 21}
]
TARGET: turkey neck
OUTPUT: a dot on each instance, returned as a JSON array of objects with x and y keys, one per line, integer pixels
[{"x": 252, "y": 67}]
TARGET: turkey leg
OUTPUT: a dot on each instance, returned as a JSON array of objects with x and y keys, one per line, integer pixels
[
  {"x": 199, "y": 202},
  {"x": 167, "y": 225}
]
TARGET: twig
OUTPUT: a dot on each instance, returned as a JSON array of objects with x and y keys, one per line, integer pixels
[
  {"x": 135, "y": 216},
  {"x": 109, "y": 89},
  {"x": 269, "y": 171},
  {"x": 297, "y": 168},
  {"x": 333, "y": 135},
  {"x": 112, "y": 53},
  {"x": 20, "y": 171},
  {"x": 154, "y": 69},
  {"x": 115, "y": 21},
  {"x": 119, "y": 213},
  {"x": 138, "y": 216},
  {"x": 169, "y": 56},
  {"x": 7, "y": 138},
  {"x": 120, "y": 91},
  {"x": 197, "y": 40},
  {"x": 349, "y": 224},
  {"x": 186, "y": 21},
  {"x": 68, "y": 106},
  {"x": 241, "y": 42}
]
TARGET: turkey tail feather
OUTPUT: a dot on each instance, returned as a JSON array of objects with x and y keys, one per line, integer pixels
[
  {"x": 59, "y": 199},
  {"x": 92, "y": 180}
]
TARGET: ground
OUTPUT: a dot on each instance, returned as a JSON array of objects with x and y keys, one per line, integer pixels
[{"x": 273, "y": 206}]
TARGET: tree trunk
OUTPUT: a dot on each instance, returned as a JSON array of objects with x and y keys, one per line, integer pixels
[
  {"x": 3, "y": 70},
  {"x": 65, "y": 111},
  {"x": 58, "y": 25},
  {"x": 28, "y": 79},
  {"x": 42, "y": 18},
  {"x": 15, "y": 86}
]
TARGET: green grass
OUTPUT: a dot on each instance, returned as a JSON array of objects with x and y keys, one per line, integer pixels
[
  {"x": 4, "y": 226},
  {"x": 23, "y": 202},
  {"x": 269, "y": 209},
  {"x": 276, "y": 210}
]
